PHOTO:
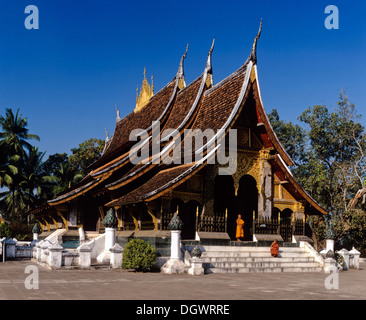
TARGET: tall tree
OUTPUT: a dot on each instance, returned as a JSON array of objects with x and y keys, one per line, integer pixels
[
  {"x": 54, "y": 162},
  {"x": 86, "y": 154},
  {"x": 15, "y": 134},
  {"x": 66, "y": 177},
  {"x": 27, "y": 185},
  {"x": 335, "y": 141},
  {"x": 7, "y": 170},
  {"x": 14, "y": 138},
  {"x": 292, "y": 137}
]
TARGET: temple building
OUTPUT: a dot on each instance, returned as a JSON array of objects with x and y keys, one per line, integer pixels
[{"x": 184, "y": 175}]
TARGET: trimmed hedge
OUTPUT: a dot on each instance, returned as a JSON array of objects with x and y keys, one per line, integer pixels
[{"x": 138, "y": 255}]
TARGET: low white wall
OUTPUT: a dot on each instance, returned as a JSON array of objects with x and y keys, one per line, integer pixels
[
  {"x": 23, "y": 252},
  {"x": 315, "y": 254},
  {"x": 97, "y": 245},
  {"x": 56, "y": 237}
]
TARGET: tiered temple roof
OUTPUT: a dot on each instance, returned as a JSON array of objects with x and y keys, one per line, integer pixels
[{"x": 200, "y": 105}]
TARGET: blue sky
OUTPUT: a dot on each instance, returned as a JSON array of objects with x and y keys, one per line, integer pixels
[{"x": 88, "y": 56}]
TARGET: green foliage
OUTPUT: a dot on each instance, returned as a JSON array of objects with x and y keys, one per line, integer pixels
[
  {"x": 53, "y": 164},
  {"x": 350, "y": 229},
  {"x": 20, "y": 231},
  {"x": 66, "y": 176},
  {"x": 340, "y": 260},
  {"x": 26, "y": 180},
  {"x": 14, "y": 133},
  {"x": 5, "y": 231},
  {"x": 86, "y": 154},
  {"x": 329, "y": 150},
  {"x": 292, "y": 136},
  {"x": 138, "y": 255}
]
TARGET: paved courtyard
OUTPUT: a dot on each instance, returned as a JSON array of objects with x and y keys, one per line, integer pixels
[{"x": 122, "y": 284}]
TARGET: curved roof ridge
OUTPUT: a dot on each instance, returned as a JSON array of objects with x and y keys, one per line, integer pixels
[{"x": 208, "y": 68}]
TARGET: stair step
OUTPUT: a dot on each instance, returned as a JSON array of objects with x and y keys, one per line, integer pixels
[
  {"x": 249, "y": 249},
  {"x": 241, "y": 259},
  {"x": 95, "y": 266},
  {"x": 92, "y": 234},
  {"x": 261, "y": 264},
  {"x": 258, "y": 259},
  {"x": 267, "y": 269},
  {"x": 251, "y": 254}
]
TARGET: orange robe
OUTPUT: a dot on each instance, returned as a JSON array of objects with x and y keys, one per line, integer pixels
[
  {"x": 274, "y": 249},
  {"x": 239, "y": 228}
]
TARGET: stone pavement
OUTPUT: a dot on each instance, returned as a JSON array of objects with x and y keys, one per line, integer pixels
[{"x": 122, "y": 284}]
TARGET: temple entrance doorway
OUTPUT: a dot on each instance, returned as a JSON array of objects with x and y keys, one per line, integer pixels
[
  {"x": 187, "y": 213},
  {"x": 247, "y": 203},
  {"x": 224, "y": 199},
  {"x": 90, "y": 216},
  {"x": 285, "y": 225}
]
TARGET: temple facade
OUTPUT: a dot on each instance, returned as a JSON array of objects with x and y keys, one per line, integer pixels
[{"x": 185, "y": 175}]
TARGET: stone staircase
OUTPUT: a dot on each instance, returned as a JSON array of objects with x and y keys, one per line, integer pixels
[{"x": 243, "y": 259}]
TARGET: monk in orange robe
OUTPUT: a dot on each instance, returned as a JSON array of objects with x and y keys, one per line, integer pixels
[
  {"x": 274, "y": 249},
  {"x": 239, "y": 228}
]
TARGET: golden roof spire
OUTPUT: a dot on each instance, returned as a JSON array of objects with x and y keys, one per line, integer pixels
[{"x": 146, "y": 92}]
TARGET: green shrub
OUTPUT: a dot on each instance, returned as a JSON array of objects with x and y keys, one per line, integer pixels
[
  {"x": 138, "y": 255},
  {"x": 5, "y": 231}
]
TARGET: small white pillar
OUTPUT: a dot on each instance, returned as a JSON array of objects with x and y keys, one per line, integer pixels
[
  {"x": 116, "y": 256},
  {"x": 81, "y": 235},
  {"x": 84, "y": 256},
  {"x": 329, "y": 245},
  {"x": 36, "y": 231},
  {"x": 34, "y": 252},
  {"x": 10, "y": 249},
  {"x": 55, "y": 256},
  {"x": 329, "y": 265},
  {"x": 44, "y": 251},
  {"x": 39, "y": 250},
  {"x": 196, "y": 268},
  {"x": 354, "y": 258},
  {"x": 110, "y": 238},
  {"x": 174, "y": 264},
  {"x": 175, "y": 244},
  {"x": 345, "y": 254}
]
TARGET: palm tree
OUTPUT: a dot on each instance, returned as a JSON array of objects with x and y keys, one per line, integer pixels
[
  {"x": 7, "y": 170},
  {"x": 15, "y": 134},
  {"x": 27, "y": 186},
  {"x": 66, "y": 176},
  {"x": 14, "y": 139},
  {"x": 34, "y": 178}
]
